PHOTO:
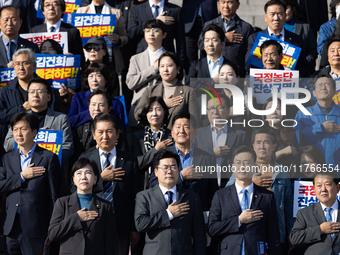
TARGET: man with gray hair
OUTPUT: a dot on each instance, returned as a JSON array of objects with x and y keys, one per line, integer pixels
[
  {"x": 10, "y": 23},
  {"x": 14, "y": 96}
]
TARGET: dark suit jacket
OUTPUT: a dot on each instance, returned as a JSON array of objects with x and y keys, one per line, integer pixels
[
  {"x": 233, "y": 51},
  {"x": 145, "y": 158},
  {"x": 291, "y": 38},
  {"x": 22, "y": 43},
  {"x": 76, "y": 237},
  {"x": 190, "y": 9},
  {"x": 75, "y": 45},
  {"x": 27, "y": 12},
  {"x": 11, "y": 100},
  {"x": 205, "y": 188},
  {"x": 224, "y": 224},
  {"x": 142, "y": 13},
  {"x": 124, "y": 191},
  {"x": 306, "y": 232},
  {"x": 235, "y": 138},
  {"x": 35, "y": 196},
  {"x": 200, "y": 69},
  {"x": 182, "y": 235}
]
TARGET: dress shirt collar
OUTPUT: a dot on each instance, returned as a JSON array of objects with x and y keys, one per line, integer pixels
[
  {"x": 239, "y": 189},
  {"x": 56, "y": 26},
  {"x": 231, "y": 19},
  {"x": 282, "y": 33},
  {"x": 335, "y": 206},
  {"x": 164, "y": 190},
  {"x": 5, "y": 41},
  {"x": 223, "y": 129},
  {"x": 29, "y": 154},
  {"x": 113, "y": 152},
  {"x": 333, "y": 74},
  {"x": 161, "y": 4},
  {"x": 191, "y": 152},
  {"x": 220, "y": 59},
  {"x": 156, "y": 52}
]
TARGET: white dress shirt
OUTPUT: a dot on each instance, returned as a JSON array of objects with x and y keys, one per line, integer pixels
[
  {"x": 112, "y": 157},
  {"x": 154, "y": 55},
  {"x": 240, "y": 195},
  {"x": 214, "y": 67},
  {"x": 56, "y": 26},
  {"x": 334, "y": 213},
  {"x": 160, "y": 9},
  {"x": 174, "y": 193},
  {"x": 282, "y": 38}
]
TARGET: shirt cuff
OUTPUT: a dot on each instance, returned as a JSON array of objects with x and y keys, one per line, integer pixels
[
  {"x": 169, "y": 214},
  {"x": 22, "y": 178},
  {"x": 239, "y": 223}
]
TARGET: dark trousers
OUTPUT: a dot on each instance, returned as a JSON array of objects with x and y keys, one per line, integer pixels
[
  {"x": 19, "y": 244},
  {"x": 191, "y": 39}
]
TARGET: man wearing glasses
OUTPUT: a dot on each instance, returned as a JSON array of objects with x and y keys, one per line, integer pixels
[
  {"x": 14, "y": 96},
  {"x": 10, "y": 23},
  {"x": 39, "y": 94},
  {"x": 54, "y": 11},
  {"x": 322, "y": 127},
  {"x": 170, "y": 215}
]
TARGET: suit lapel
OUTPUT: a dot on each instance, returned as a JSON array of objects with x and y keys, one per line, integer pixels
[
  {"x": 62, "y": 28},
  {"x": 180, "y": 195},
  {"x": 147, "y": 11},
  {"x": 15, "y": 161},
  {"x": 3, "y": 54},
  {"x": 257, "y": 196},
  {"x": 204, "y": 69},
  {"x": 231, "y": 136},
  {"x": 338, "y": 220},
  {"x": 167, "y": 9},
  {"x": 233, "y": 197},
  {"x": 94, "y": 206},
  {"x": 48, "y": 119},
  {"x": 318, "y": 213},
  {"x": 37, "y": 157},
  {"x": 73, "y": 203},
  {"x": 159, "y": 197},
  {"x": 119, "y": 163}
]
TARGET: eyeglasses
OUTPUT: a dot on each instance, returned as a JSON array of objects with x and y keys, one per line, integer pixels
[
  {"x": 40, "y": 91},
  {"x": 218, "y": 108},
  {"x": 54, "y": 5},
  {"x": 166, "y": 169},
  {"x": 148, "y": 30},
  {"x": 24, "y": 63},
  {"x": 319, "y": 85},
  {"x": 94, "y": 47}
]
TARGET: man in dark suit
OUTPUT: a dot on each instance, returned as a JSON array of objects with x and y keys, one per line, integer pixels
[
  {"x": 119, "y": 180},
  {"x": 236, "y": 30},
  {"x": 275, "y": 17},
  {"x": 209, "y": 67},
  {"x": 243, "y": 214},
  {"x": 30, "y": 177},
  {"x": 10, "y": 23},
  {"x": 317, "y": 227},
  {"x": 219, "y": 138},
  {"x": 27, "y": 13},
  {"x": 196, "y": 13},
  {"x": 14, "y": 96},
  {"x": 171, "y": 15},
  {"x": 54, "y": 11},
  {"x": 171, "y": 216},
  {"x": 184, "y": 131}
]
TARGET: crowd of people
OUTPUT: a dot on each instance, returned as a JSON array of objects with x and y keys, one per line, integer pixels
[{"x": 132, "y": 176}]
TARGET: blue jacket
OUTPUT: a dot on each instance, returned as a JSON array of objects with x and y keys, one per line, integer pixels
[
  {"x": 325, "y": 32},
  {"x": 314, "y": 132},
  {"x": 284, "y": 201},
  {"x": 78, "y": 112},
  {"x": 11, "y": 101}
]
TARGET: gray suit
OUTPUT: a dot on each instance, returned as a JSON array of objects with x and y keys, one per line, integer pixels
[
  {"x": 139, "y": 77},
  {"x": 182, "y": 235},
  {"x": 306, "y": 232},
  {"x": 56, "y": 121}
]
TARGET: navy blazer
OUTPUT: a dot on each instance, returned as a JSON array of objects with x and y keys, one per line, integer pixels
[
  {"x": 291, "y": 38},
  {"x": 27, "y": 13},
  {"x": 224, "y": 223},
  {"x": 124, "y": 191},
  {"x": 11, "y": 101},
  {"x": 141, "y": 13},
  {"x": 78, "y": 112},
  {"x": 75, "y": 45},
  {"x": 234, "y": 52},
  {"x": 205, "y": 188},
  {"x": 36, "y": 196},
  {"x": 22, "y": 43}
]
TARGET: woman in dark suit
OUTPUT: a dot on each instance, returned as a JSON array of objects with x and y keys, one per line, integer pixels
[
  {"x": 83, "y": 222},
  {"x": 179, "y": 98},
  {"x": 154, "y": 138}
]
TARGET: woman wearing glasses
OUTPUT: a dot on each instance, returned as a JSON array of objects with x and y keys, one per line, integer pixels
[{"x": 120, "y": 38}]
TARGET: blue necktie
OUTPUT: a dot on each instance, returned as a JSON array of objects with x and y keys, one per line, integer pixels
[
  {"x": 155, "y": 13},
  {"x": 107, "y": 194},
  {"x": 276, "y": 36},
  {"x": 10, "y": 52},
  {"x": 169, "y": 193},
  {"x": 244, "y": 206},
  {"x": 329, "y": 217}
]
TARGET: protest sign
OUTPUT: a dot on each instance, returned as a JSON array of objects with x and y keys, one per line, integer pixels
[
  {"x": 290, "y": 53},
  {"x": 59, "y": 69},
  {"x": 51, "y": 140},
  {"x": 262, "y": 81},
  {"x": 39, "y": 38},
  {"x": 90, "y": 25},
  {"x": 7, "y": 75}
]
